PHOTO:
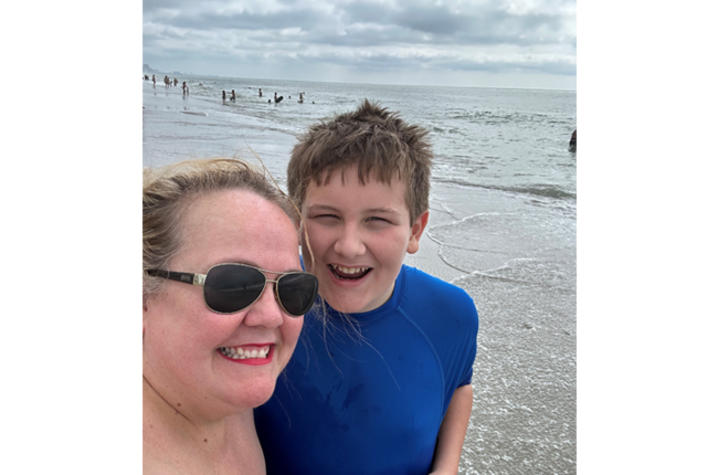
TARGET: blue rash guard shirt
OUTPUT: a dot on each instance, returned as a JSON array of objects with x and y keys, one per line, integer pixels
[{"x": 368, "y": 397}]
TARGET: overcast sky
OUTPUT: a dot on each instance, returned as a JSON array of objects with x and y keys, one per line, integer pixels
[{"x": 498, "y": 43}]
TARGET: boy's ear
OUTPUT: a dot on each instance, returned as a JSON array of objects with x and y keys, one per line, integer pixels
[{"x": 416, "y": 230}]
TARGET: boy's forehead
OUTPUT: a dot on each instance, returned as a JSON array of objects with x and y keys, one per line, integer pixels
[
  {"x": 349, "y": 176},
  {"x": 351, "y": 172}
]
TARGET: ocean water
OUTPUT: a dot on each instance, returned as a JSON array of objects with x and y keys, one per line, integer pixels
[{"x": 502, "y": 226}]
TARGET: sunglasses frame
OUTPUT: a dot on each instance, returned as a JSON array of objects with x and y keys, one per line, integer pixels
[{"x": 199, "y": 280}]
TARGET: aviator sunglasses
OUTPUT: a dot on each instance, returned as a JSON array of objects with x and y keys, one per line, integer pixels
[{"x": 229, "y": 288}]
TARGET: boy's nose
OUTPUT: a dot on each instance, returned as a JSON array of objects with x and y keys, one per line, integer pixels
[{"x": 349, "y": 243}]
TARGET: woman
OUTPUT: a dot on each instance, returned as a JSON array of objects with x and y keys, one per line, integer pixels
[{"x": 212, "y": 351}]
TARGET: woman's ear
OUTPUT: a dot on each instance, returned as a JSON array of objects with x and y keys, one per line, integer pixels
[
  {"x": 416, "y": 230},
  {"x": 145, "y": 309}
]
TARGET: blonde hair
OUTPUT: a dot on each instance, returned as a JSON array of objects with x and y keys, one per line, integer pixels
[{"x": 167, "y": 191}]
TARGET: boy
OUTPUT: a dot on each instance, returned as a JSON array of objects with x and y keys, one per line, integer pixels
[{"x": 380, "y": 382}]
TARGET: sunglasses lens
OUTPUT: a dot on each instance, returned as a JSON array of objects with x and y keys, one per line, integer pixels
[
  {"x": 297, "y": 292},
  {"x": 232, "y": 287}
]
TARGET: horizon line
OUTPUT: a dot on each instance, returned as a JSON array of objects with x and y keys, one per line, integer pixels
[{"x": 356, "y": 83}]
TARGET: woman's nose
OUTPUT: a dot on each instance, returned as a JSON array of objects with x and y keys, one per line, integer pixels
[{"x": 265, "y": 311}]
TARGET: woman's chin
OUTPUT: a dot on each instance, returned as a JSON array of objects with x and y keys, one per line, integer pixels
[{"x": 256, "y": 395}]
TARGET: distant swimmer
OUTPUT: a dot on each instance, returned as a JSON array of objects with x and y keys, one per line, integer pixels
[
  {"x": 175, "y": 82},
  {"x": 166, "y": 81},
  {"x": 185, "y": 88},
  {"x": 147, "y": 77},
  {"x": 260, "y": 92},
  {"x": 224, "y": 96},
  {"x": 154, "y": 81},
  {"x": 301, "y": 98},
  {"x": 233, "y": 96},
  {"x": 277, "y": 100},
  {"x": 572, "y": 142}
]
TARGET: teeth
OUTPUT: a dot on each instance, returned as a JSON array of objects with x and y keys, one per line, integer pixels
[
  {"x": 237, "y": 353},
  {"x": 350, "y": 270}
]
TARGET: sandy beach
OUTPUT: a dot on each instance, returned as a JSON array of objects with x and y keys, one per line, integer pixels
[{"x": 524, "y": 413}]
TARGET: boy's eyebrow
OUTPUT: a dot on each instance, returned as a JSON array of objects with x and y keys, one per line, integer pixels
[
  {"x": 321, "y": 207},
  {"x": 383, "y": 210}
]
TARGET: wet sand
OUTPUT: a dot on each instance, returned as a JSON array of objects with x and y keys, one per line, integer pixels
[{"x": 524, "y": 412}]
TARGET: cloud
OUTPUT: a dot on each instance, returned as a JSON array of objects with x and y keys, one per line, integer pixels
[{"x": 515, "y": 35}]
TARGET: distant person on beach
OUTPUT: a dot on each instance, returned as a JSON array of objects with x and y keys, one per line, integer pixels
[
  {"x": 224, "y": 96},
  {"x": 222, "y": 302},
  {"x": 260, "y": 92},
  {"x": 146, "y": 77},
  {"x": 380, "y": 381},
  {"x": 167, "y": 81},
  {"x": 175, "y": 82},
  {"x": 301, "y": 98},
  {"x": 572, "y": 142},
  {"x": 233, "y": 97},
  {"x": 185, "y": 88},
  {"x": 154, "y": 82}
]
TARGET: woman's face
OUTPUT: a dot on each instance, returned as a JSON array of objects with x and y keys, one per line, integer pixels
[{"x": 187, "y": 346}]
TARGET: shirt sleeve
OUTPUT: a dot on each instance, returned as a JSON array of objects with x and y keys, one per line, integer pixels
[{"x": 471, "y": 328}]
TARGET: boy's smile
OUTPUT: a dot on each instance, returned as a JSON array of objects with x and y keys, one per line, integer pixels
[
  {"x": 349, "y": 272},
  {"x": 359, "y": 235}
]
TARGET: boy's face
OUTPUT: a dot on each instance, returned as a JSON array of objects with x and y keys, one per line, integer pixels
[{"x": 359, "y": 235}]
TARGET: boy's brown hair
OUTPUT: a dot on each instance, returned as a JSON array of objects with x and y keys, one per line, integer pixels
[{"x": 382, "y": 146}]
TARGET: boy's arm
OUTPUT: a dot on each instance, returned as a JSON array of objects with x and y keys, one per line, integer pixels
[{"x": 453, "y": 431}]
